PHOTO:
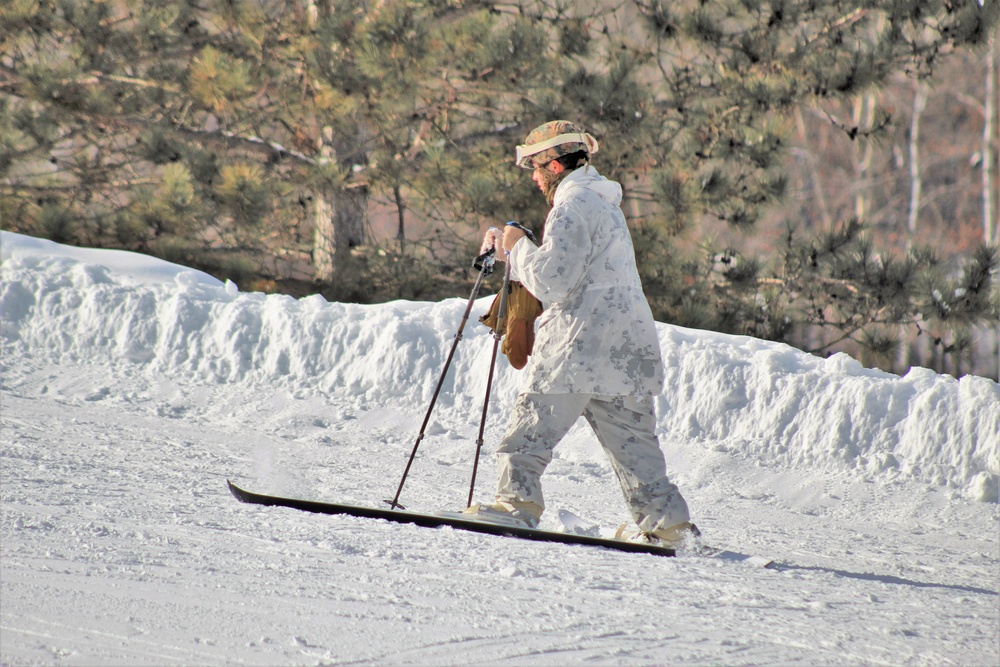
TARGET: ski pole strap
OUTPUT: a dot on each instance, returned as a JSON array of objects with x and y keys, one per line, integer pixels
[
  {"x": 485, "y": 262},
  {"x": 530, "y": 234}
]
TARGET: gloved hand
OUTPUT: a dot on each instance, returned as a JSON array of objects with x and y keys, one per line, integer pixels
[
  {"x": 511, "y": 235},
  {"x": 493, "y": 239}
]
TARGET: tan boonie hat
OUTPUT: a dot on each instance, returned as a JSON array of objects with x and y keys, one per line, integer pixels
[{"x": 553, "y": 140}]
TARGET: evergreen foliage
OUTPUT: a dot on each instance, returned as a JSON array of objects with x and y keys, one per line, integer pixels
[{"x": 257, "y": 140}]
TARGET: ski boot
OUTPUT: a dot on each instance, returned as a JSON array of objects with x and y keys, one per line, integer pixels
[
  {"x": 521, "y": 515},
  {"x": 683, "y": 537}
]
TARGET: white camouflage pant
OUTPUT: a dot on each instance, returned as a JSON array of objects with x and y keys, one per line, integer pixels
[{"x": 625, "y": 427}]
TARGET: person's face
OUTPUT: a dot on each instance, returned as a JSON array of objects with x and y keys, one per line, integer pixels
[{"x": 543, "y": 173}]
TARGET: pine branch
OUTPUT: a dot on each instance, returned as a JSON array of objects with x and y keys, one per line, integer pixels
[
  {"x": 848, "y": 19},
  {"x": 41, "y": 190},
  {"x": 96, "y": 77},
  {"x": 854, "y": 131}
]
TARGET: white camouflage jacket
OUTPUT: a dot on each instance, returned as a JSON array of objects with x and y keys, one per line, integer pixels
[{"x": 597, "y": 333}]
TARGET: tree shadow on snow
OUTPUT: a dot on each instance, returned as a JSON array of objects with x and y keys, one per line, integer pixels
[{"x": 882, "y": 578}]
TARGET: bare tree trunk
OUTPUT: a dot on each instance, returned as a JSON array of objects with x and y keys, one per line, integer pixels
[
  {"x": 338, "y": 218},
  {"x": 324, "y": 237},
  {"x": 863, "y": 117},
  {"x": 817, "y": 183},
  {"x": 919, "y": 102},
  {"x": 991, "y": 229},
  {"x": 350, "y": 218},
  {"x": 324, "y": 231},
  {"x": 338, "y": 228},
  {"x": 338, "y": 213},
  {"x": 401, "y": 213}
]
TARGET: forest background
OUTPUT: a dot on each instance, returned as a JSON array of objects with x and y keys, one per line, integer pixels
[{"x": 819, "y": 172}]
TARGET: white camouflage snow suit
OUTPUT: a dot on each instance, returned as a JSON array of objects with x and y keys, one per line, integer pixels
[{"x": 596, "y": 354}]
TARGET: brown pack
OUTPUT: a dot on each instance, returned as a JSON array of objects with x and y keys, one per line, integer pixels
[{"x": 518, "y": 327}]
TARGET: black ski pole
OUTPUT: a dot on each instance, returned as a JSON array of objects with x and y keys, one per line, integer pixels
[
  {"x": 485, "y": 265},
  {"x": 501, "y": 316}
]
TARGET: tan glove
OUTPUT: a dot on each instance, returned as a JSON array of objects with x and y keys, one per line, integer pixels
[{"x": 518, "y": 327}]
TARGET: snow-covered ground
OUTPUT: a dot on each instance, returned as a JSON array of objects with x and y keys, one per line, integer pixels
[{"x": 133, "y": 388}]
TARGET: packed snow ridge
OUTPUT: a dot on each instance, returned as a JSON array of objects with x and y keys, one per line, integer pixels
[{"x": 759, "y": 400}]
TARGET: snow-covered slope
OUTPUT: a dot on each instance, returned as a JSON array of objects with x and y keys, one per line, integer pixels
[{"x": 132, "y": 388}]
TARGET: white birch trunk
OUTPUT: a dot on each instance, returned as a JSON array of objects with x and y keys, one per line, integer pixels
[
  {"x": 919, "y": 102},
  {"x": 991, "y": 148},
  {"x": 863, "y": 117}
]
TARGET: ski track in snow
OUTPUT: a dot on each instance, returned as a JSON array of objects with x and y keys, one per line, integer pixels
[{"x": 132, "y": 389}]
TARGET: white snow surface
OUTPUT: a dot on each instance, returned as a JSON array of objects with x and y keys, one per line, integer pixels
[{"x": 133, "y": 388}]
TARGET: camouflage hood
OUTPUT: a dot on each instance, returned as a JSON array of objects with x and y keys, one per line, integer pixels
[{"x": 588, "y": 177}]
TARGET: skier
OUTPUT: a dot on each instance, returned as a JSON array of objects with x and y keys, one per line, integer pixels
[{"x": 596, "y": 351}]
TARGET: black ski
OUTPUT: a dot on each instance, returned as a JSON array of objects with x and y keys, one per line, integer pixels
[{"x": 434, "y": 521}]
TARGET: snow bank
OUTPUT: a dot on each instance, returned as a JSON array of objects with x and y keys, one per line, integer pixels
[
  {"x": 79, "y": 306},
  {"x": 783, "y": 406},
  {"x": 760, "y": 400}
]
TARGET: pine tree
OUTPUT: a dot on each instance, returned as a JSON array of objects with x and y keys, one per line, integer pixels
[
  {"x": 255, "y": 139},
  {"x": 222, "y": 133},
  {"x": 730, "y": 78},
  {"x": 142, "y": 126}
]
